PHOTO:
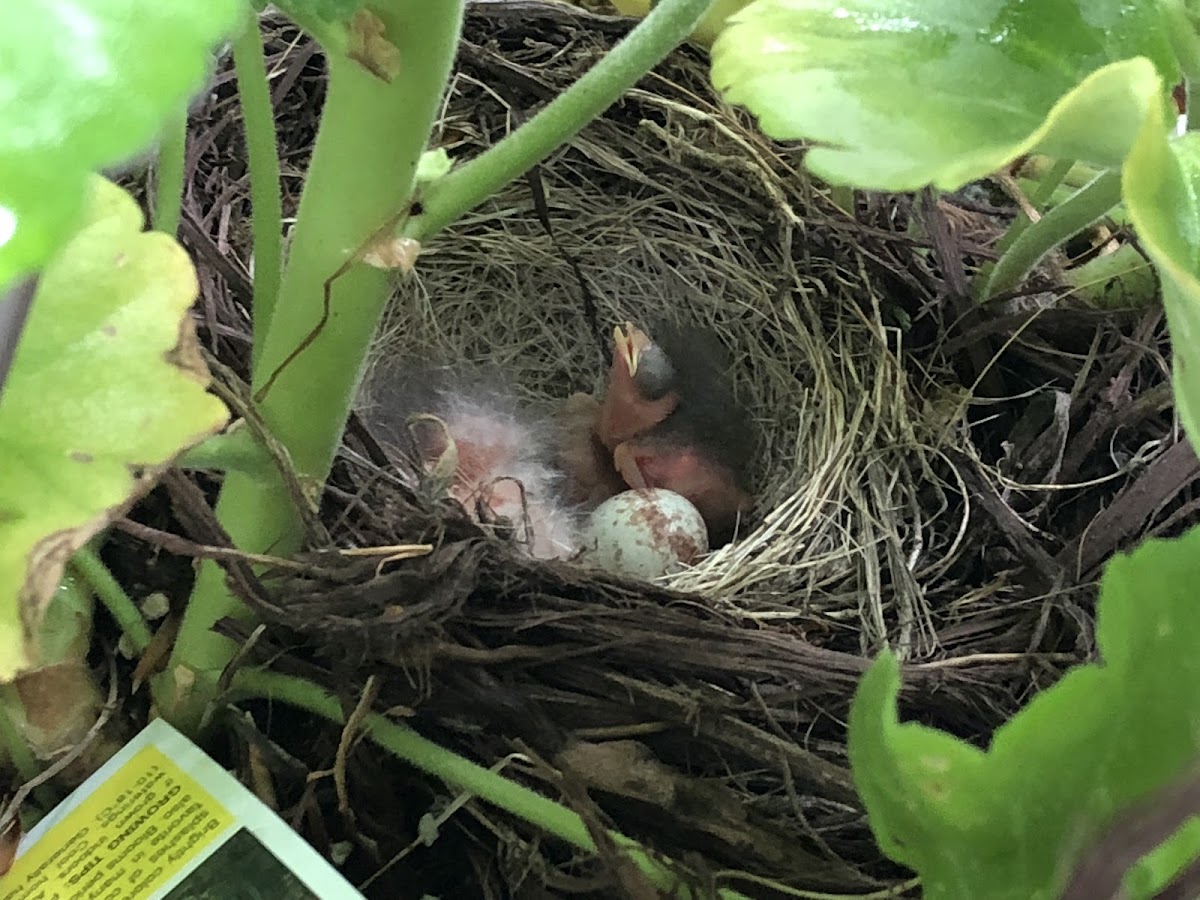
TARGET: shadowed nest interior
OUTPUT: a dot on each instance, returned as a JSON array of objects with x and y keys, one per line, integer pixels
[{"x": 944, "y": 478}]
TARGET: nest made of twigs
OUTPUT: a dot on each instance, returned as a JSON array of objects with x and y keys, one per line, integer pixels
[{"x": 672, "y": 205}]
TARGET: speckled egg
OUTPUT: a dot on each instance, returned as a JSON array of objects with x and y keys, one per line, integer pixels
[{"x": 644, "y": 534}]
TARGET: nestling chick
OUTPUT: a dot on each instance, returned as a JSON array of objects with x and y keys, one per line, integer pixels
[
  {"x": 486, "y": 452},
  {"x": 591, "y": 477},
  {"x": 669, "y": 419}
]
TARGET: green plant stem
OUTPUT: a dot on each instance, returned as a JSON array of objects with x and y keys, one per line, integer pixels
[
  {"x": 1118, "y": 214},
  {"x": 363, "y": 169},
  {"x": 464, "y": 188},
  {"x": 12, "y": 742},
  {"x": 14, "y": 746},
  {"x": 262, "y": 152},
  {"x": 234, "y": 451},
  {"x": 334, "y": 37},
  {"x": 1087, "y": 205},
  {"x": 87, "y": 565},
  {"x": 168, "y": 181},
  {"x": 1049, "y": 183},
  {"x": 406, "y": 744},
  {"x": 893, "y": 892},
  {"x": 1184, "y": 41},
  {"x": 842, "y": 196},
  {"x": 1041, "y": 195},
  {"x": 1038, "y": 167}
]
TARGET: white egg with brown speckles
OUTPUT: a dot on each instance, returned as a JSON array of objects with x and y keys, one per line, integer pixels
[{"x": 644, "y": 534}]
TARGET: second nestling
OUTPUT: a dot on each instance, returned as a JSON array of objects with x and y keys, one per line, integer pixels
[
  {"x": 668, "y": 419},
  {"x": 667, "y": 440}
]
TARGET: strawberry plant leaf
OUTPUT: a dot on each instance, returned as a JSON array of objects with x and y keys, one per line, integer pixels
[
  {"x": 87, "y": 84},
  {"x": 1161, "y": 184},
  {"x": 898, "y": 94},
  {"x": 1009, "y": 824},
  {"x": 106, "y": 388},
  {"x": 909, "y": 792}
]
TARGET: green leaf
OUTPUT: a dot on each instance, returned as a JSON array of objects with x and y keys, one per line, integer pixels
[
  {"x": 324, "y": 10},
  {"x": 1011, "y": 823},
  {"x": 912, "y": 792},
  {"x": 904, "y": 93},
  {"x": 65, "y": 635},
  {"x": 87, "y": 84},
  {"x": 1161, "y": 187},
  {"x": 1182, "y": 28},
  {"x": 106, "y": 388}
]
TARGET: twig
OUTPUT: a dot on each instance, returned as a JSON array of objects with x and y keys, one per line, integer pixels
[
  {"x": 351, "y": 731},
  {"x": 181, "y": 546}
]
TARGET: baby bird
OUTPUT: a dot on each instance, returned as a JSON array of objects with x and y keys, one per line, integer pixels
[
  {"x": 591, "y": 477},
  {"x": 668, "y": 419},
  {"x": 479, "y": 447}
]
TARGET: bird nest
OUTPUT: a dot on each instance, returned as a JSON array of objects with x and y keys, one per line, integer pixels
[
  {"x": 725, "y": 685},
  {"x": 673, "y": 206}
]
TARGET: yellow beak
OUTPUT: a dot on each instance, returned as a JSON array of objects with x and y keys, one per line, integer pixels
[{"x": 631, "y": 342}]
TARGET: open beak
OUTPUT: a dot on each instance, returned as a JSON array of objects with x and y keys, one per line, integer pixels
[{"x": 631, "y": 342}]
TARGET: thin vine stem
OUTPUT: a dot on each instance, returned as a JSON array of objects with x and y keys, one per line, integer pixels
[
  {"x": 235, "y": 450},
  {"x": 168, "y": 182},
  {"x": 1038, "y": 199},
  {"x": 262, "y": 152},
  {"x": 464, "y": 188},
  {"x": 1076, "y": 213},
  {"x": 88, "y": 566},
  {"x": 334, "y": 37},
  {"x": 406, "y": 744}
]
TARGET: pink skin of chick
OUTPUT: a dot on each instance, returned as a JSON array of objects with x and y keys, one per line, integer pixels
[
  {"x": 502, "y": 455},
  {"x": 502, "y": 461},
  {"x": 495, "y": 463}
]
